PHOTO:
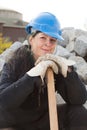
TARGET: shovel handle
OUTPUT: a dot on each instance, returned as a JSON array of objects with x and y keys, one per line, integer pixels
[{"x": 52, "y": 100}]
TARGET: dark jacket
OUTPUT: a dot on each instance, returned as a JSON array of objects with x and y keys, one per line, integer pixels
[{"x": 24, "y": 98}]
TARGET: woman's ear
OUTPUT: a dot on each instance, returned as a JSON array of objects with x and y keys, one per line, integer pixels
[{"x": 30, "y": 40}]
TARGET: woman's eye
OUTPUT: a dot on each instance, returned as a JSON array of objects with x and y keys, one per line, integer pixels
[
  {"x": 42, "y": 38},
  {"x": 53, "y": 40}
]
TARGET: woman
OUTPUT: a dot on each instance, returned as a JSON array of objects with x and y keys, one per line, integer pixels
[{"x": 23, "y": 88}]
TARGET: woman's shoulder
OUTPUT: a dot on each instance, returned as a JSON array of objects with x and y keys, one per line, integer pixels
[
  {"x": 21, "y": 61},
  {"x": 21, "y": 53}
]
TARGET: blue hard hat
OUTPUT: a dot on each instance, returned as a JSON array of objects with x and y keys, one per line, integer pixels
[{"x": 46, "y": 23}]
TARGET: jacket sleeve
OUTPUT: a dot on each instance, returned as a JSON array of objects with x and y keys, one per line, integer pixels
[
  {"x": 13, "y": 93},
  {"x": 71, "y": 88}
]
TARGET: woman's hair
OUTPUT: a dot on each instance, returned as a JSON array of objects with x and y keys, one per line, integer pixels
[
  {"x": 22, "y": 59},
  {"x": 33, "y": 34}
]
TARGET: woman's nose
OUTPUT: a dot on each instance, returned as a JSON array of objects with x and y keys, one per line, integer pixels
[{"x": 48, "y": 42}]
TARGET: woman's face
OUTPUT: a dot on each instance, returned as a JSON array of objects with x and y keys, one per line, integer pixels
[{"x": 42, "y": 44}]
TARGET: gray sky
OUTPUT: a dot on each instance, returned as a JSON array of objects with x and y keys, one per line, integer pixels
[{"x": 71, "y": 13}]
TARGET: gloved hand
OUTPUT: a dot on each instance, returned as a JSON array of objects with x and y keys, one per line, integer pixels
[
  {"x": 41, "y": 68},
  {"x": 60, "y": 61}
]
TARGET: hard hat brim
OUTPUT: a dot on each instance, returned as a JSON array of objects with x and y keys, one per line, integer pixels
[{"x": 57, "y": 36}]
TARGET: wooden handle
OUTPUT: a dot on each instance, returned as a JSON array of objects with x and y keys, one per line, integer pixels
[{"x": 52, "y": 100}]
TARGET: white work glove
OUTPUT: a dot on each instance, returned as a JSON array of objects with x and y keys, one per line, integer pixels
[
  {"x": 41, "y": 68},
  {"x": 62, "y": 63}
]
